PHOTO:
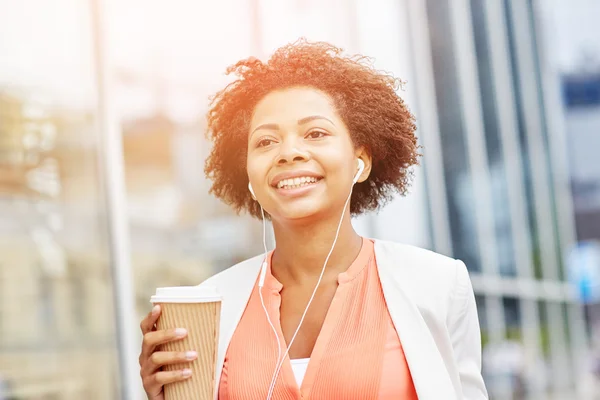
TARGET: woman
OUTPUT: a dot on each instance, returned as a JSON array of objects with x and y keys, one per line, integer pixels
[{"x": 310, "y": 138}]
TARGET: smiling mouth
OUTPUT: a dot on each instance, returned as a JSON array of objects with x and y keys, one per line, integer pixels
[{"x": 295, "y": 183}]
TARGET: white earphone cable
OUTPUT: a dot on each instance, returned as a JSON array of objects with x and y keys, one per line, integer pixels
[
  {"x": 260, "y": 287},
  {"x": 264, "y": 266}
]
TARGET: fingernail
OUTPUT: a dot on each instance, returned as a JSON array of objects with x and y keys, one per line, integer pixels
[
  {"x": 191, "y": 355},
  {"x": 186, "y": 372},
  {"x": 180, "y": 332},
  {"x": 155, "y": 310}
]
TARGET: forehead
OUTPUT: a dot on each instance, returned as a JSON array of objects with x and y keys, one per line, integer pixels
[{"x": 293, "y": 104}]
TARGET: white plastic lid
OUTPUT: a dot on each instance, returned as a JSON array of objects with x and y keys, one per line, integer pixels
[{"x": 185, "y": 294}]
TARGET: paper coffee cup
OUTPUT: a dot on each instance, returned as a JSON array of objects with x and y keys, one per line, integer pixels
[{"x": 198, "y": 310}]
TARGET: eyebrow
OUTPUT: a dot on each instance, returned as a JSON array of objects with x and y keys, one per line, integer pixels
[
  {"x": 301, "y": 121},
  {"x": 306, "y": 120}
]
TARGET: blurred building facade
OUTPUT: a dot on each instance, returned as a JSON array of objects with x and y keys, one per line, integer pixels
[
  {"x": 509, "y": 216},
  {"x": 492, "y": 189},
  {"x": 581, "y": 95},
  {"x": 56, "y": 319}
]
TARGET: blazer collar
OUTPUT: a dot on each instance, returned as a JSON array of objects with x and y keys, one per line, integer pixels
[
  {"x": 430, "y": 377},
  {"x": 235, "y": 287},
  {"x": 429, "y": 374}
]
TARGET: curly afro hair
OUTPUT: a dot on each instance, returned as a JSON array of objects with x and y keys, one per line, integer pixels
[{"x": 366, "y": 99}]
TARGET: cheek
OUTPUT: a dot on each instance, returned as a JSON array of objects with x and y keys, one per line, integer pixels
[
  {"x": 251, "y": 171},
  {"x": 338, "y": 164},
  {"x": 255, "y": 169},
  {"x": 340, "y": 157}
]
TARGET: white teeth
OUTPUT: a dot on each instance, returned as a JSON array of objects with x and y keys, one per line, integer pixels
[{"x": 293, "y": 183}]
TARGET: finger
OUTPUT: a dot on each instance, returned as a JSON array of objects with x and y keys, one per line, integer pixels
[
  {"x": 163, "y": 336},
  {"x": 155, "y": 338},
  {"x": 161, "y": 358},
  {"x": 147, "y": 323},
  {"x": 165, "y": 377},
  {"x": 154, "y": 383}
]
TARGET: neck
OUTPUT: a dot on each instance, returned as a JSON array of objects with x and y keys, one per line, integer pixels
[{"x": 302, "y": 249}]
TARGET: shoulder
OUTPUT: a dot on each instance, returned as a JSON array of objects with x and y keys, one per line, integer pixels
[
  {"x": 238, "y": 273},
  {"x": 413, "y": 252},
  {"x": 412, "y": 259},
  {"x": 422, "y": 272}
]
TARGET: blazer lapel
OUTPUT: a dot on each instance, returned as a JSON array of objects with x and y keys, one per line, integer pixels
[
  {"x": 429, "y": 374},
  {"x": 235, "y": 288}
]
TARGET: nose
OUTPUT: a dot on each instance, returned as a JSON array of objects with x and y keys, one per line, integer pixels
[{"x": 291, "y": 152}]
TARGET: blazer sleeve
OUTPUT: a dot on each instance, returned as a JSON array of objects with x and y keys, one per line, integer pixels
[{"x": 465, "y": 335}]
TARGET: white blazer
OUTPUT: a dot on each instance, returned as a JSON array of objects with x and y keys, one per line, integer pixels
[{"x": 430, "y": 301}]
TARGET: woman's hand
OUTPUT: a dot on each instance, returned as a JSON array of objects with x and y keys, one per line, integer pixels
[{"x": 151, "y": 360}]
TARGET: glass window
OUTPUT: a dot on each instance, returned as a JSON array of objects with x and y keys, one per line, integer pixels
[
  {"x": 546, "y": 242},
  {"x": 497, "y": 168},
  {"x": 556, "y": 246},
  {"x": 459, "y": 187},
  {"x": 527, "y": 171}
]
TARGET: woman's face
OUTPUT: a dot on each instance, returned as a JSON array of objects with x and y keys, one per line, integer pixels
[{"x": 301, "y": 159}]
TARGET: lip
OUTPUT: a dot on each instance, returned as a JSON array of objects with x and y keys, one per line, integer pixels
[
  {"x": 294, "y": 174},
  {"x": 297, "y": 192}
]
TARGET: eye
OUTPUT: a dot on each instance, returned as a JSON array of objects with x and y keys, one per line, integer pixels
[
  {"x": 316, "y": 134},
  {"x": 265, "y": 142}
]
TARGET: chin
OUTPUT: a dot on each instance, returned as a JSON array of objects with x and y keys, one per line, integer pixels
[{"x": 298, "y": 213}]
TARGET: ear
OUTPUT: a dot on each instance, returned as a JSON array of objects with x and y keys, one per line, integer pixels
[{"x": 365, "y": 156}]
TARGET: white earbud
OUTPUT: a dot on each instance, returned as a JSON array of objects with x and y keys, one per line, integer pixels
[
  {"x": 361, "y": 168},
  {"x": 251, "y": 190}
]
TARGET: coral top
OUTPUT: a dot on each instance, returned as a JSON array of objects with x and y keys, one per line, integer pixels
[{"x": 357, "y": 355}]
